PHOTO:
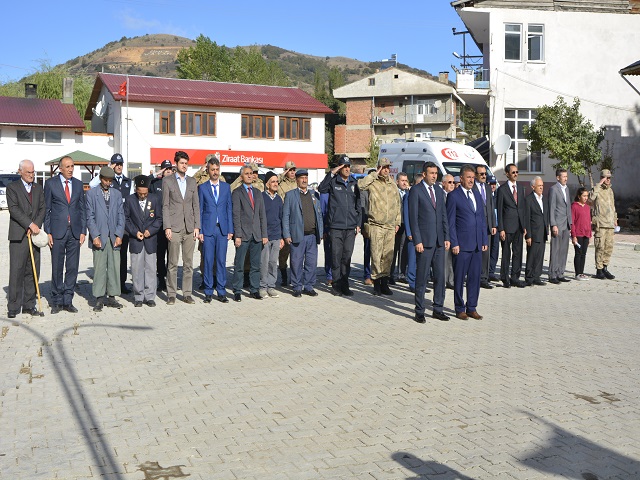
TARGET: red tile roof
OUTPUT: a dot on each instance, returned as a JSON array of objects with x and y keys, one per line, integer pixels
[
  {"x": 38, "y": 112},
  {"x": 208, "y": 94}
]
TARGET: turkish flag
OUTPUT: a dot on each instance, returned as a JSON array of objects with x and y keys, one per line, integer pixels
[{"x": 123, "y": 89}]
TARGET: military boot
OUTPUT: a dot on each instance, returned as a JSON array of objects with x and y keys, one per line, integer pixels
[
  {"x": 384, "y": 286},
  {"x": 607, "y": 273},
  {"x": 376, "y": 287},
  {"x": 600, "y": 274}
]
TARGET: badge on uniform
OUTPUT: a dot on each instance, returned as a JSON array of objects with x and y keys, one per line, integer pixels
[{"x": 151, "y": 214}]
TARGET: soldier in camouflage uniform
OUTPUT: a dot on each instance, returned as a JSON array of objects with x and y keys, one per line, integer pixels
[
  {"x": 604, "y": 219},
  {"x": 382, "y": 223},
  {"x": 286, "y": 182}
]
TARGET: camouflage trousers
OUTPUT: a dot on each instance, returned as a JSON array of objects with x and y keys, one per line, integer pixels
[
  {"x": 603, "y": 242},
  {"x": 382, "y": 242}
]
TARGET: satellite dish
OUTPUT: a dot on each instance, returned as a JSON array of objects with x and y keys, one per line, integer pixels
[
  {"x": 437, "y": 103},
  {"x": 99, "y": 109},
  {"x": 503, "y": 142}
]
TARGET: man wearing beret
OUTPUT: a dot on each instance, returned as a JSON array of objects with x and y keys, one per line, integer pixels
[
  {"x": 605, "y": 220},
  {"x": 105, "y": 221},
  {"x": 143, "y": 221}
]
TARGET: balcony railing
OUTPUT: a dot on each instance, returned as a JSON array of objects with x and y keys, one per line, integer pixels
[
  {"x": 477, "y": 79},
  {"x": 407, "y": 117}
]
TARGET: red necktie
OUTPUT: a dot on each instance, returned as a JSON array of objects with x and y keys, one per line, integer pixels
[
  {"x": 66, "y": 191},
  {"x": 433, "y": 199},
  {"x": 515, "y": 194},
  {"x": 251, "y": 197}
]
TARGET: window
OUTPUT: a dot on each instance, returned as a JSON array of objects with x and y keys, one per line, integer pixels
[
  {"x": 198, "y": 123},
  {"x": 292, "y": 128},
  {"x": 512, "y": 41},
  {"x": 535, "y": 43},
  {"x": 372, "y": 82},
  {"x": 164, "y": 122},
  {"x": 257, "y": 126},
  {"x": 39, "y": 136},
  {"x": 514, "y": 123},
  {"x": 426, "y": 107}
]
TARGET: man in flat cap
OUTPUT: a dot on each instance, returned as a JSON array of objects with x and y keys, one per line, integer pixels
[
  {"x": 605, "y": 220},
  {"x": 383, "y": 222},
  {"x": 166, "y": 169},
  {"x": 105, "y": 221},
  {"x": 143, "y": 221},
  {"x": 286, "y": 182}
]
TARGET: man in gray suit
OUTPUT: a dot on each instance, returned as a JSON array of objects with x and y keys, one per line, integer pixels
[
  {"x": 250, "y": 227},
  {"x": 560, "y": 221},
  {"x": 105, "y": 221},
  {"x": 482, "y": 187},
  {"x": 25, "y": 200},
  {"x": 181, "y": 223}
]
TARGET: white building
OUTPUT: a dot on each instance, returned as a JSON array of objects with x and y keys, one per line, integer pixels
[
  {"x": 535, "y": 51},
  {"x": 151, "y": 118}
]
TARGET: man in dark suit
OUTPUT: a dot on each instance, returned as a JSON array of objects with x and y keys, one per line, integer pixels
[
  {"x": 302, "y": 229},
  {"x": 25, "y": 200},
  {"x": 216, "y": 229},
  {"x": 65, "y": 221},
  {"x": 511, "y": 226},
  {"x": 468, "y": 232},
  {"x": 482, "y": 187},
  {"x": 430, "y": 235},
  {"x": 250, "y": 227},
  {"x": 537, "y": 224},
  {"x": 143, "y": 222}
]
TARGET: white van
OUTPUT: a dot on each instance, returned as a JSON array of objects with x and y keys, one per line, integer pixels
[
  {"x": 409, "y": 157},
  {"x": 5, "y": 180}
]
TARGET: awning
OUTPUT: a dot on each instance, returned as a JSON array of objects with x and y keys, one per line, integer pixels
[
  {"x": 633, "y": 69},
  {"x": 81, "y": 159}
]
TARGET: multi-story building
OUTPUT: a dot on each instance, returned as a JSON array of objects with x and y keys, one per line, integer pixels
[
  {"x": 395, "y": 104},
  {"x": 535, "y": 51},
  {"x": 151, "y": 118}
]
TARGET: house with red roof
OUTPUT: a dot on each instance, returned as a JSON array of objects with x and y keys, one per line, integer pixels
[{"x": 151, "y": 118}]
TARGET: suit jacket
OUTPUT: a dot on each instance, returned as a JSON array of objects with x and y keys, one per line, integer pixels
[
  {"x": 210, "y": 210},
  {"x": 292, "y": 221},
  {"x": 59, "y": 212},
  {"x": 101, "y": 223},
  {"x": 249, "y": 222},
  {"x": 180, "y": 214},
  {"x": 22, "y": 211},
  {"x": 136, "y": 220},
  {"x": 488, "y": 207},
  {"x": 405, "y": 214},
  {"x": 429, "y": 226},
  {"x": 467, "y": 228},
  {"x": 511, "y": 216},
  {"x": 559, "y": 208},
  {"x": 537, "y": 221}
]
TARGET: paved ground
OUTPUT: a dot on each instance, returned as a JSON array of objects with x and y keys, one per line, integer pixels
[{"x": 547, "y": 386}]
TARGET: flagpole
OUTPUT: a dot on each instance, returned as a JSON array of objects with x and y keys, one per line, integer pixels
[{"x": 127, "y": 124}]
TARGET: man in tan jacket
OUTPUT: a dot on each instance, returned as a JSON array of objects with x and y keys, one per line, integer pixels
[
  {"x": 382, "y": 224},
  {"x": 604, "y": 219}
]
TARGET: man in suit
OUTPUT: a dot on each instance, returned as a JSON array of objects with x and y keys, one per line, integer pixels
[
  {"x": 448, "y": 185},
  {"x": 399, "y": 259},
  {"x": 560, "y": 222},
  {"x": 181, "y": 223},
  {"x": 482, "y": 187},
  {"x": 143, "y": 221},
  {"x": 25, "y": 200},
  {"x": 411, "y": 250},
  {"x": 429, "y": 228},
  {"x": 302, "y": 229},
  {"x": 161, "y": 255},
  {"x": 105, "y": 221},
  {"x": 216, "y": 222},
  {"x": 468, "y": 232},
  {"x": 537, "y": 225},
  {"x": 65, "y": 221},
  {"x": 494, "y": 242},
  {"x": 250, "y": 229},
  {"x": 511, "y": 226}
]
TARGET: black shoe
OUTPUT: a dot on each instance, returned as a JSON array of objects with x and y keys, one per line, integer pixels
[
  {"x": 336, "y": 290},
  {"x": 70, "y": 308},
  {"x": 124, "y": 289},
  {"x": 255, "y": 296},
  {"x": 311, "y": 293},
  {"x": 201, "y": 286},
  {"x": 151, "y": 303},
  {"x": 376, "y": 287},
  {"x": 297, "y": 293},
  {"x": 346, "y": 291},
  {"x": 222, "y": 298},
  {"x": 506, "y": 284},
  {"x": 171, "y": 301},
  {"x": 161, "y": 287},
  {"x": 607, "y": 273},
  {"x": 99, "y": 304},
  {"x": 137, "y": 303},
  {"x": 392, "y": 281},
  {"x": 384, "y": 286},
  {"x": 540, "y": 283},
  {"x": 419, "y": 318},
  {"x": 12, "y": 313},
  {"x": 34, "y": 312},
  {"x": 208, "y": 298},
  {"x": 554, "y": 280},
  {"x": 237, "y": 297},
  {"x": 113, "y": 303},
  {"x": 565, "y": 279},
  {"x": 493, "y": 278},
  {"x": 449, "y": 286},
  {"x": 600, "y": 274},
  {"x": 486, "y": 285},
  {"x": 440, "y": 316}
]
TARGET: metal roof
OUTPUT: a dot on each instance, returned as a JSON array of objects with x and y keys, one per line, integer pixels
[
  {"x": 81, "y": 158},
  {"x": 633, "y": 69},
  {"x": 38, "y": 112},
  {"x": 175, "y": 91}
]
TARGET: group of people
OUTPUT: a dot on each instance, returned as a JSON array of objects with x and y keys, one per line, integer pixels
[{"x": 431, "y": 232}]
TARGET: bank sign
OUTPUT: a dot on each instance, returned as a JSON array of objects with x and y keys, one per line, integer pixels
[{"x": 239, "y": 158}]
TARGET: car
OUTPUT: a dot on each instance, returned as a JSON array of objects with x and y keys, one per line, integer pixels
[{"x": 5, "y": 180}]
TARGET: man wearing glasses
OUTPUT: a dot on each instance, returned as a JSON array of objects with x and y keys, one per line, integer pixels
[{"x": 482, "y": 187}]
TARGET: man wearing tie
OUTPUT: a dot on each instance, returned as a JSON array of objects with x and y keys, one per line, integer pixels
[
  {"x": 560, "y": 222},
  {"x": 468, "y": 233},
  {"x": 537, "y": 233},
  {"x": 511, "y": 225},
  {"x": 429, "y": 229},
  {"x": 216, "y": 221},
  {"x": 482, "y": 187},
  {"x": 65, "y": 220}
]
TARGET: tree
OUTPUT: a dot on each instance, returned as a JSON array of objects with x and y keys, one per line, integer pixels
[
  {"x": 473, "y": 122},
  {"x": 567, "y": 136},
  {"x": 374, "y": 151}
]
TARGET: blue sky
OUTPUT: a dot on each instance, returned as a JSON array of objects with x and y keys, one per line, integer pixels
[{"x": 419, "y": 32}]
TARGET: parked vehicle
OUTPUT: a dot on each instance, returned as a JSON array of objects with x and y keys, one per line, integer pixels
[{"x": 6, "y": 179}]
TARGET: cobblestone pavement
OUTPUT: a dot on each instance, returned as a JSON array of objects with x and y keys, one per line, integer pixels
[{"x": 546, "y": 386}]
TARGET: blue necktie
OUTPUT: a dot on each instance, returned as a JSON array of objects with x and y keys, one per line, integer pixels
[
  {"x": 471, "y": 201},
  {"x": 215, "y": 192}
]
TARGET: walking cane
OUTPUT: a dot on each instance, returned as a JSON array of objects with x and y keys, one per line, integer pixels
[{"x": 35, "y": 273}]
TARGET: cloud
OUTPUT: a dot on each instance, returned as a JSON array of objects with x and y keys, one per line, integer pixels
[{"x": 133, "y": 22}]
